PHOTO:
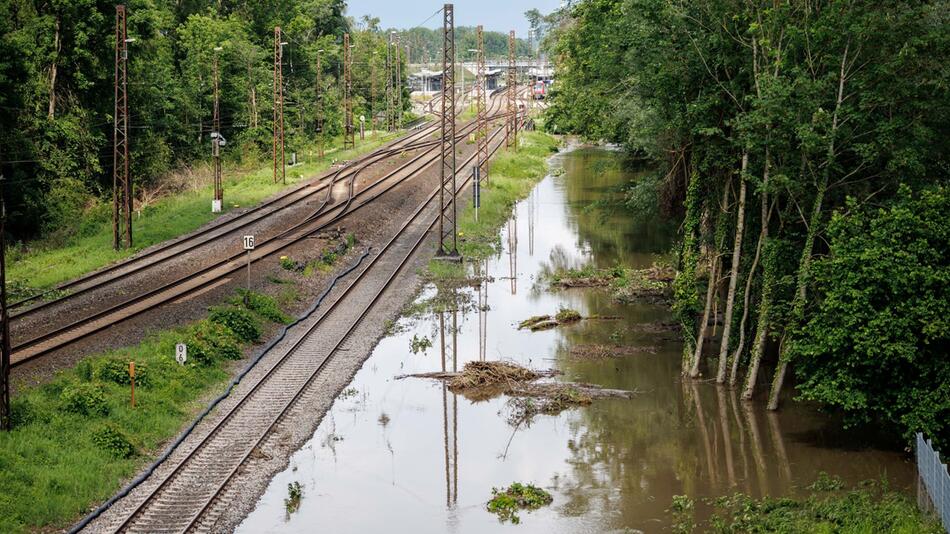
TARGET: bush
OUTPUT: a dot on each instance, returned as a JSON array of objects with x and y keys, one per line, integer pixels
[
  {"x": 112, "y": 440},
  {"x": 875, "y": 344},
  {"x": 84, "y": 399},
  {"x": 239, "y": 321},
  {"x": 210, "y": 341},
  {"x": 116, "y": 371},
  {"x": 263, "y": 305}
]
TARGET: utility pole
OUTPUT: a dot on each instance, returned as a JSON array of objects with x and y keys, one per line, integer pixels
[
  {"x": 372, "y": 92},
  {"x": 481, "y": 134},
  {"x": 279, "y": 106},
  {"x": 319, "y": 91},
  {"x": 389, "y": 84},
  {"x": 511, "y": 131},
  {"x": 348, "y": 138},
  {"x": 448, "y": 244},
  {"x": 216, "y": 142},
  {"x": 121, "y": 183},
  {"x": 398, "y": 86},
  {"x": 5, "y": 414}
]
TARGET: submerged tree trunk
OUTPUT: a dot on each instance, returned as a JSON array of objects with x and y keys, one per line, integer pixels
[
  {"x": 714, "y": 262},
  {"x": 763, "y": 323},
  {"x": 804, "y": 265},
  {"x": 733, "y": 274},
  {"x": 736, "y": 354}
]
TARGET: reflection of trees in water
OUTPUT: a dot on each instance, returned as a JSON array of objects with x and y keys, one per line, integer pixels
[{"x": 593, "y": 175}]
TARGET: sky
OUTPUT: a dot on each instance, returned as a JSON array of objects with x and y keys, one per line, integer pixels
[{"x": 496, "y": 15}]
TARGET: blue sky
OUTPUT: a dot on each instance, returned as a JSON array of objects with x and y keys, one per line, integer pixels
[{"x": 497, "y": 15}]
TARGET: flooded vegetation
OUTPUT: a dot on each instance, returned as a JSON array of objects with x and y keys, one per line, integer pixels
[{"x": 425, "y": 454}]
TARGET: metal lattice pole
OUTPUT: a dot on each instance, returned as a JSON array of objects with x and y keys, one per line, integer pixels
[
  {"x": 389, "y": 83},
  {"x": 279, "y": 107},
  {"x": 216, "y": 143},
  {"x": 319, "y": 95},
  {"x": 349, "y": 140},
  {"x": 398, "y": 87},
  {"x": 121, "y": 183},
  {"x": 481, "y": 86},
  {"x": 5, "y": 414},
  {"x": 511, "y": 130},
  {"x": 448, "y": 245},
  {"x": 372, "y": 93}
]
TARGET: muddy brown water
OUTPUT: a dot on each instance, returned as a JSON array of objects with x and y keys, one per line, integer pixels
[{"x": 410, "y": 456}]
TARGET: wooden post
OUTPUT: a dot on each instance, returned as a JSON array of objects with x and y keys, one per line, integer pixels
[{"x": 132, "y": 379}]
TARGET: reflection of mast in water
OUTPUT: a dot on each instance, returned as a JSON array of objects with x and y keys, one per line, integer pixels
[
  {"x": 513, "y": 251},
  {"x": 450, "y": 409},
  {"x": 532, "y": 213},
  {"x": 482, "y": 310}
]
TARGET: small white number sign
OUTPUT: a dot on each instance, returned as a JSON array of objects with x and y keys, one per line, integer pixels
[
  {"x": 248, "y": 242},
  {"x": 181, "y": 353}
]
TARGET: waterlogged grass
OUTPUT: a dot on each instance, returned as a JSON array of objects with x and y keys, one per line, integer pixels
[
  {"x": 512, "y": 175},
  {"x": 76, "y": 439},
  {"x": 43, "y": 264},
  {"x": 868, "y": 509},
  {"x": 506, "y": 503}
]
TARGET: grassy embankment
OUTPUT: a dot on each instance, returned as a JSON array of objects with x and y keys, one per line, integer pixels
[
  {"x": 512, "y": 175},
  {"x": 43, "y": 264},
  {"x": 868, "y": 509},
  {"x": 77, "y": 438}
]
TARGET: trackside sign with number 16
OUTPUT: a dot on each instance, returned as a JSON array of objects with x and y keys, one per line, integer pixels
[{"x": 248, "y": 242}]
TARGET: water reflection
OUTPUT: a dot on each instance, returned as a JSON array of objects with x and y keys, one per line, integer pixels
[{"x": 613, "y": 465}]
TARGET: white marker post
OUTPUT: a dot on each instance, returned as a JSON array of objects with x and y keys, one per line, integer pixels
[
  {"x": 181, "y": 353},
  {"x": 248, "y": 246}
]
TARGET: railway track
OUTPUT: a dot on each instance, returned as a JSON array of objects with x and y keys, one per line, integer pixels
[
  {"x": 187, "y": 499},
  {"x": 325, "y": 216}
]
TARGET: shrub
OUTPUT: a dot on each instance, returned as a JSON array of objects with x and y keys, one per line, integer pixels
[
  {"x": 210, "y": 341},
  {"x": 112, "y": 440},
  {"x": 84, "y": 399},
  {"x": 288, "y": 264},
  {"x": 239, "y": 321},
  {"x": 506, "y": 503},
  {"x": 263, "y": 305},
  {"x": 116, "y": 370}
]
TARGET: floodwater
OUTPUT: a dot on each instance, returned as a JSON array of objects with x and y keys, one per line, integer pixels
[{"x": 407, "y": 455}]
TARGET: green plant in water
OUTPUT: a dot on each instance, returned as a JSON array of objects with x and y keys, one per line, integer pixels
[
  {"x": 294, "y": 495},
  {"x": 419, "y": 344},
  {"x": 567, "y": 315},
  {"x": 507, "y": 503}
]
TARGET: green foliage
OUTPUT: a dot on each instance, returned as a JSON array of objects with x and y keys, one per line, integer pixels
[
  {"x": 84, "y": 399},
  {"x": 116, "y": 371},
  {"x": 263, "y": 305},
  {"x": 875, "y": 343},
  {"x": 238, "y": 320},
  {"x": 567, "y": 315},
  {"x": 113, "y": 441},
  {"x": 294, "y": 495},
  {"x": 506, "y": 503},
  {"x": 870, "y": 508},
  {"x": 419, "y": 344},
  {"x": 210, "y": 341}
]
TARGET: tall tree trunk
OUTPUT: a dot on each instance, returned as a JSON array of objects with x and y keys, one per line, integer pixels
[
  {"x": 804, "y": 265},
  {"x": 57, "y": 45},
  {"x": 733, "y": 274},
  {"x": 764, "y": 322},
  {"x": 685, "y": 282},
  {"x": 714, "y": 262},
  {"x": 750, "y": 277}
]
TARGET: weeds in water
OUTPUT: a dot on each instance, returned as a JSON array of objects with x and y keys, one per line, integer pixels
[
  {"x": 508, "y": 502},
  {"x": 294, "y": 495},
  {"x": 419, "y": 344},
  {"x": 348, "y": 392},
  {"x": 383, "y": 419},
  {"x": 567, "y": 315}
]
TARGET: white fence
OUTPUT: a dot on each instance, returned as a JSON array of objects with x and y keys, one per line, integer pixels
[{"x": 934, "y": 478}]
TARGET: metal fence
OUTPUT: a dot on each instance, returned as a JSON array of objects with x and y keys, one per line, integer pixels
[{"x": 933, "y": 476}]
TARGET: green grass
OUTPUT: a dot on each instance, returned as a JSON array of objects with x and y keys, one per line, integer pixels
[
  {"x": 43, "y": 264},
  {"x": 76, "y": 438},
  {"x": 867, "y": 509},
  {"x": 512, "y": 175}
]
